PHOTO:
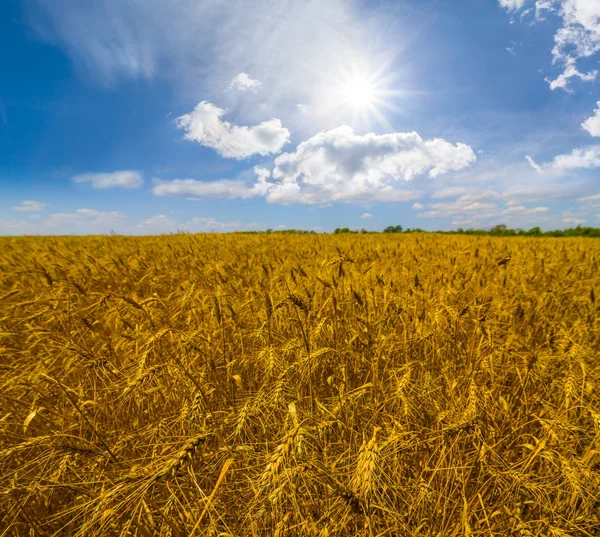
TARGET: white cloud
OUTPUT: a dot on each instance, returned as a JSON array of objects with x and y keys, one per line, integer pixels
[
  {"x": 339, "y": 165},
  {"x": 165, "y": 224},
  {"x": 585, "y": 157},
  {"x": 122, "y": 179},
  {"x": 464, "y": 211},
  {"x": 485, "y": 195},
  {"x": 578, "y": 37},
  {"x": 458, "y": 222},
  {"x": 460, "y": 208},
  {"x": 512, "y": 5},
  {"x": 592, "y": 124},
  {"x": 516, "y": 182},
  {"x": 449, "y": 192},
  {"x": 243, "y": 82},
  {"x": 89, "y": 221},
  {"x": 594, "y": 198},
  {"x": 571, "y": 71},
  {"x": 541, "y": 6},
  {"x": 211, "y": 224},
  {"x": 158, "y": 224},
  {"x": 16, "y": 227},
  {"x": 538, "y": 192},
  {"x": 521, "y": 209},
  {"x": 366, "y": 216},
  {"x": 85, "y": 221},
  {"x": 533, "y": 164},
  {"x": 589, "y": 203},
  {"x": 573, "y": 221},
  {"x": 205, "y": 126},
  {"x": 416, "y": 206},
  {"x": 191, "y": 188},
  {"x": 30, "y": 206},
  {"x": 546, "y": 191}
]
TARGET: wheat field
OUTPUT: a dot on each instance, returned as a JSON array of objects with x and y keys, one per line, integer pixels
[{"x": 310, "y": 385}]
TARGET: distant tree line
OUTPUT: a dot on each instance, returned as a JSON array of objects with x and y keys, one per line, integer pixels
[
  {"x": 504, "y": 231},
  {"x": 500, "y": 230}
]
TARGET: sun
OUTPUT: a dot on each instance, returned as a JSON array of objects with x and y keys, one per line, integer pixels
[
  {"x": 362, "y": 93},
  {"x": 359, "y": 92}
]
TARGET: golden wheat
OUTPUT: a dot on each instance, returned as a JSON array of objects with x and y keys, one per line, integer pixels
[{"x": 311, "y": 385}]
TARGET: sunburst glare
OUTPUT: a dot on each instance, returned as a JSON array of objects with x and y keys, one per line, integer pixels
[
  {"x": 361, "y": 95},
  {"x": 358, "y": 92}
]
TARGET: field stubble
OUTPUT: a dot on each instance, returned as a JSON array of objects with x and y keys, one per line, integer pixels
[{"x": 254, "y": 385}]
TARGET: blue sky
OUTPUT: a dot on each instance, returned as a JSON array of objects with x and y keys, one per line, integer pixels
[{"x": 220, "y": 115}]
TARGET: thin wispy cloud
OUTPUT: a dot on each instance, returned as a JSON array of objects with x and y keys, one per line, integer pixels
[
  {"x": 30, "y": 206},
  {"x": 533, "y": 164},
  {"x": 194, "y": 189},
  {"x": 118, "y": 179}
]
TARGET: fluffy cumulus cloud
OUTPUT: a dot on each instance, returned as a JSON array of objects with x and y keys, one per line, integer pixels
[
  {"x": 339, "y": 165},
  {"x": 581, "y": 158},
  {"x": 578, "y": 36},
  {"x": 118, "y": 179},
  {"x": 205, "y": 126},
  {"x": 585, "y": 157},
  {"x": 243, "y": 82},
  {"x": 366, "y": 216},
  {"x": 30, "y": 206},
  {"x": 592, "y": 124}
]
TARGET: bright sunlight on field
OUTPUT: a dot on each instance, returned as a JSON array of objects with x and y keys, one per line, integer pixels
[{"x": 259, "y": 385}]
